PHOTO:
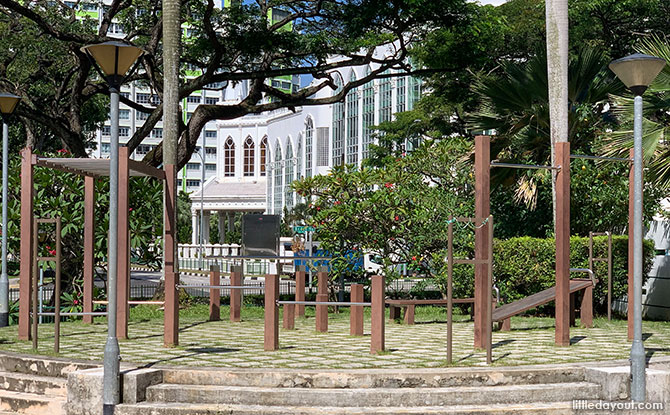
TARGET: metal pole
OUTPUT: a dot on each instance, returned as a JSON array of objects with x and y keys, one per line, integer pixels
[
  {"x": 202, "y": 206},
  {"x": 637, "y": 354},
  {"x": 112, "y": 354},
  {"x": 4, "y": 280},
  {"x": 609, "y": 275}
]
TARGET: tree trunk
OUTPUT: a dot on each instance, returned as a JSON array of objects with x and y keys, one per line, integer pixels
[
  {"x": 557, "y": 71},
  {"x": 171, "y": 112}
]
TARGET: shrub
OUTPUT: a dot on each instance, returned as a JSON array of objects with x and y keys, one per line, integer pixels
[{"x": 524, "y": 266}]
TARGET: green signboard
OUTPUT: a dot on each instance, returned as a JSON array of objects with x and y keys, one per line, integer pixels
[{"x": 303, "y": 229}]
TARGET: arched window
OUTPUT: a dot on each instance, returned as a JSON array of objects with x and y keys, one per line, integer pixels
[
  {"x": 278, "y": 173},
  {"x": 249, "y": 150},
  {"x": 309, "y": 147},
  {"x": 338, "y": 124},
  {"x": 352, "y": 123},
  {"x": 368, "y": 115},
  {"x": 264, "y": 156},
  {"x": 298, "y": 157},
  {"x": 229, "y": 158},
  {"x": 289, "y": 160}
]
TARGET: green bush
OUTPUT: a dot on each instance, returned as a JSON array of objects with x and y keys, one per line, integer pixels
[{"x": 524, "y": 266}]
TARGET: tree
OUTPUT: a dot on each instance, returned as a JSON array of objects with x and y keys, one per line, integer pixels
[
  {"x": 251, "y": 41},
  {"x": 398, "y": 211},
  {"x": 656, "y": 122},
  {"x": 516, "y": 106}
]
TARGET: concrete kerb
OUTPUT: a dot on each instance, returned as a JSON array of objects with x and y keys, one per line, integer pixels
[{"x": 84, "y": 379}]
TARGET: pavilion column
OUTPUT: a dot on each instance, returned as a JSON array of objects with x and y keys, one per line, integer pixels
[
  {"x": 222, "y": 227},
  {"x": 171, "y": 269},
  {"x": 231, "y": 221},
  {"x": 194, "y": 227},
  {"x": 89, "y": 245},
  {"x": 205, "y": 231},
  {"x": 123, "y": 261},
  {"x": 482, "y": 210},
  {"x": 26, "y": 254}
]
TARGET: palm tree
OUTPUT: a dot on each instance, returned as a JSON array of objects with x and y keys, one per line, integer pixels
[
  {"x": 517, "y": 107},
  {"x": 656, "y": 122}
]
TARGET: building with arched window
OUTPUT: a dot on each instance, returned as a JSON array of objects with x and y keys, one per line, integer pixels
[{"x": 261, "y": 155}]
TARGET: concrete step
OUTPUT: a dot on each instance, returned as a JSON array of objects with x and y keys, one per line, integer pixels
[
  {"x": 31, "y": 404},
  {"x": 41, "y": 385},
  {"x": 154, "y": 408},
  {"x": 41, "y": 366},
  {"x": 372, "y": 397},
  {"x": 373, "y": 378}
]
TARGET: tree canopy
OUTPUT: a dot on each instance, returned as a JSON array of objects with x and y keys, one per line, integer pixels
[{"x": 63, "y": 98}]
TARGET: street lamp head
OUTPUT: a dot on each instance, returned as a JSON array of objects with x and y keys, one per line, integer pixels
[
  {"x": 637, "y": 71},
  {"x": 8, "y": 103},
  {"x": 114, "y": 59}
]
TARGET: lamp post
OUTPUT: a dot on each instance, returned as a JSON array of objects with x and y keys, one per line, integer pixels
[
  {"x": 7, "y": 104},
  {"x": 114, "y": 59},
  {"x": 637, "y": 72}
]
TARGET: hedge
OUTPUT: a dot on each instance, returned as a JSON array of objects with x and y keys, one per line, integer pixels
[{"x": 524, "y": 266}]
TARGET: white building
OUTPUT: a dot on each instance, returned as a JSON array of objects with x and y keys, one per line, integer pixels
[{"x": 259, "y": 156}]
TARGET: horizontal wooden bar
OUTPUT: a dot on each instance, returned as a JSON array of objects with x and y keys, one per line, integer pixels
[
  {"x": 145, "y": 169},
  {"x": 46, "y": 258},
  {"x": 471, "y": 261},
  {"x": 337, "y": 303}
]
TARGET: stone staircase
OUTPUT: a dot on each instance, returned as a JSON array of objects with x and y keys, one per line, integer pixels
[
  {"x": 503, "y": 391},
  {"x": 36, "y": 386}
]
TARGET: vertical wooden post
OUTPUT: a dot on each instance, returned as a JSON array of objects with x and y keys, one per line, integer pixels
[
  {"x": 377, "y": 324},
  {"x": 235, "y": 293},
  {"x": 123, "y": 261},
  {"x": 26, "y": 264},
  {"x": 322, "y": 296},
  {"x": 562, "y": 334},
  {"x": 356, "y": 311},
  {"x": 300, "y": 290},
  {"x": 214, "y": 294},
  {"x": 271, "y": 338},
  {"x": 631, "y": 227},
  {"x": 289, "y": 316},
  {"x": 89, "y": 245},
  {"x": 482, "y": 210},
  {"x": 586, "y": 307},
  {"x": 171, "y": 269}
]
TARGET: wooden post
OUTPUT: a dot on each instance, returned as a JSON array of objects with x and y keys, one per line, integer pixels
[
  {"x": 482, "y": 210},
  {"x": 271, "y": 338},
  {"x": 123, "y": 261},
  {"x": 214, "y": 294},
  {"x": 356, "y": 311},
  {"x": 586, "y": 307},
  {"x": 562, "y": 334},
  {"x": 322, "y": 296},
  {"x": 409, "y": 314},
  {"x": 573, "y": 306},
  {"x": 289, "y": 316},
  {"x": 26, "y": 255},
  {"x": 171, "y": 269},
  {"x": 378, "y": 305},
  {"x": 235, "y": 293},
  {"x": 300, "y": 290},
  {"x": 89, "y": 245},
  {"x": 631, "y": 227}
]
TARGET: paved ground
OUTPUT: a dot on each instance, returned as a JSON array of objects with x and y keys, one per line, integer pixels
[{"x": 226, "y": 344}]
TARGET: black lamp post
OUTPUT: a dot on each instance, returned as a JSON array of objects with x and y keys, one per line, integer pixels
[
  {"x": 8, "y": 103},
  {"x": 637, "y": 72},
  {"x": 113, "y": 59}
]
